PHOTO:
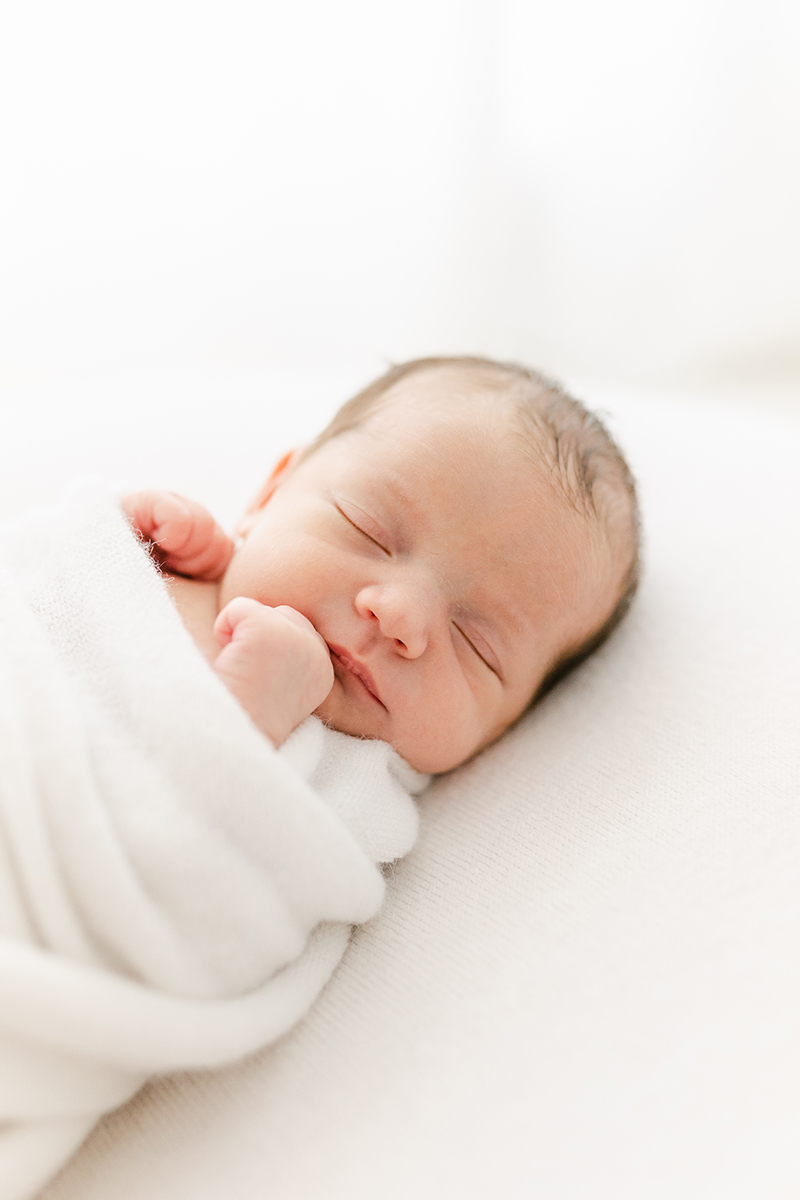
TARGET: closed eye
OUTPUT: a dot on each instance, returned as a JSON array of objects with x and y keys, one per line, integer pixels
[
  {"x": 477, "y": 652},
  {"x": 359, "y": 521}
]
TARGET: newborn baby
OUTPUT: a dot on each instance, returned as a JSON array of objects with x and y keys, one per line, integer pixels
[
  {"x": 173, "y": 894},
  {"x": 459, "y": 537}
]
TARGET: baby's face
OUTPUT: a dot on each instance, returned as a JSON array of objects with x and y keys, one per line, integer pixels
[{"x": 442, "y": 568}]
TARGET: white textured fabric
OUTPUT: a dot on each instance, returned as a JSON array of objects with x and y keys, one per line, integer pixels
[
  {"x": 585, "y": 981},
  {"x": 173, "y": 891}
]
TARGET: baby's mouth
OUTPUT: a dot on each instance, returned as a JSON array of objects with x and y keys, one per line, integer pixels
[{"x": 356, "y": 670}]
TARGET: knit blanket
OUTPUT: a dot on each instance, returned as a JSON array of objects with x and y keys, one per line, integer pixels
[{"x": 174, "y": 892}]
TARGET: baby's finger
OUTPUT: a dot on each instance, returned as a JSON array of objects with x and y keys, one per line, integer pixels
[
  {"x": 185, "y": 536},
  {"x": 139, "y": 509},
  {"x": 174, "y": 522},
  {"x": 201, "y": 549},
  {"x": 161, "y": 517},
  {"x": 209, "y": 561},
  {"x": 234, "y": 612},
  {"x": 296, "y": 618}
]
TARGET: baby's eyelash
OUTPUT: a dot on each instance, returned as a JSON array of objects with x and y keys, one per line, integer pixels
[
  {"x": 473, "y": 647},
  {"x": 363, "y": 532}
]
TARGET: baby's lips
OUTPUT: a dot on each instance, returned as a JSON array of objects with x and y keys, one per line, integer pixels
[{"x": 358, "y": 669}]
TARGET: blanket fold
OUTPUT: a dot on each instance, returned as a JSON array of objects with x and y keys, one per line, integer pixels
[{"x": 174, "y": 892}]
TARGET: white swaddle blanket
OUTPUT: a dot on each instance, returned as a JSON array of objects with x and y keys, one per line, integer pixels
[{"x": 173, "y": 891}]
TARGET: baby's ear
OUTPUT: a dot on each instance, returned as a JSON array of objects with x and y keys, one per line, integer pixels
[{"x": 273, "y": 481}]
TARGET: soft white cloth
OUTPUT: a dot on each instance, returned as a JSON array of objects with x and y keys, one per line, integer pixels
[
  {"x": 173, "y": 891},
  {"x": 584, "y": 983}
]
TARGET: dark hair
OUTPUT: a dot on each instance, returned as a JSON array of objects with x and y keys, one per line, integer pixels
[{"x": 578, "y": 449}]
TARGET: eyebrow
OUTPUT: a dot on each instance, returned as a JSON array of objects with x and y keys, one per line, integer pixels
[{"x": 396, "y": 487}]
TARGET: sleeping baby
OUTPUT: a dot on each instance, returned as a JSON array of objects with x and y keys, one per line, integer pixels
[
  {"x": 175, "y": 891},
  {"x": 459, "y": 537}
]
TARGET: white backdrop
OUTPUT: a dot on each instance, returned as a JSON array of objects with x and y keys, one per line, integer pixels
[
  {"x": 218, "y": 218},
  {"x": 609, "y": 190}
]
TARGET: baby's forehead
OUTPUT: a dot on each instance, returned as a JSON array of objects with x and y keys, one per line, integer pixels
[
  {"x": 461, "y": 467},
  {"x": 456, "y": 413},
  {"x": 455, "y": 390}
]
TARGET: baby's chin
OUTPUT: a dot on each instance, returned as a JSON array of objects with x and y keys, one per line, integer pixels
[
  {"x": 430, "y": 759},
  {"x": 353, "y": 715},
  {"x": 437, "y": 756},
  {"x": 340, "y": 713},
  {"x": 348, "y": 709}
]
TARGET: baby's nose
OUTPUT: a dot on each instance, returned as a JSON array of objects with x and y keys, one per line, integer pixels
[{"x": 403, "y": 614}]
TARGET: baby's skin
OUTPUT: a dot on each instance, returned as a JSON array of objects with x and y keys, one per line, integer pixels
[
  {"x": 271, "y": 658},
  {"x": 413, "y": 579}
]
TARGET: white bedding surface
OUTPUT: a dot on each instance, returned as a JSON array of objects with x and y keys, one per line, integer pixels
[{"x": 585, "y": 980}]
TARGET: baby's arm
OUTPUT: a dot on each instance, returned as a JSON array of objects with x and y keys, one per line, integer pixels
[
  {"x": 186, "y": 538},
  {"x": 275, "y": 663}
]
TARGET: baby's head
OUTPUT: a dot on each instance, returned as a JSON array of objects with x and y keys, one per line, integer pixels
[{"x": 461, "y": 535}]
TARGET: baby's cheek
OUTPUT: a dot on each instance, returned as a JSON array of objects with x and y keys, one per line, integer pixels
[{"x": 441, "y": 736}]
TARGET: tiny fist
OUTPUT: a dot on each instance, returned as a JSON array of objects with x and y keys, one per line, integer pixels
[
  {"x": 234, "y": 612},
  {"x": 186, "y": 538},
  {"x": 275, "y": 663},
  {"x": 297, "y": 618}
]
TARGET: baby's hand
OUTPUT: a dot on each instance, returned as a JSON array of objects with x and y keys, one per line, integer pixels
[
  {"x": 186, "y": 538},
  {"x": 275, "y": 663}
]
